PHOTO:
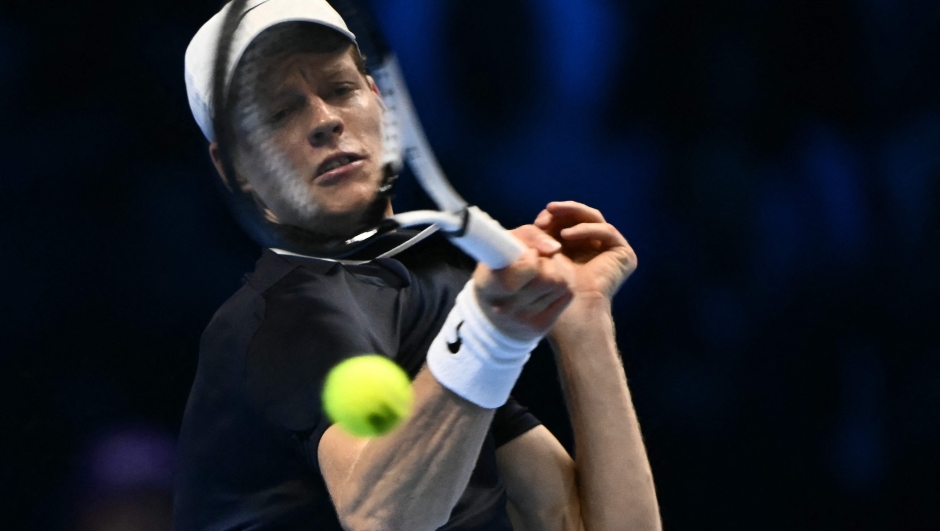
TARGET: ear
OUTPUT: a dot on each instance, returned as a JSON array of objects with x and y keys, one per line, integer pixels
[
  {"x": 373, "y": 87},
  {"x": 378, "y": 94},
  {"x": 216, "y": 155}
]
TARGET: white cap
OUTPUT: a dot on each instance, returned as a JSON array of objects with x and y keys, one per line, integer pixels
[{"x": 259, "y": 16}]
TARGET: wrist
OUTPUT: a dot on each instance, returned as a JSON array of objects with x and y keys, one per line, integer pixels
[
  {"x": 588, "y": 313},
  {"x": 473, "y": 358}
]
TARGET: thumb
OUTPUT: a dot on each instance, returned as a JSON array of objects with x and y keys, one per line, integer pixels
[{"x": 537, "y": 239}]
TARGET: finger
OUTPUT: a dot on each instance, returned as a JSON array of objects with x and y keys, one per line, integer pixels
[
  {"x": 536, "y": 238},
  {"x": 550, "y": 314},
  {"x": 551, "y": 224},
  {"x": 530, "y": 319},
  {"x": 605, "y": 233},
  {"x": 530, "y": 312},
  {"x": 555, "y": 273},
  {"x": 494, "y": 286},
  {"x": 512, "y": 307},
  {"x": 546, "y": 317},
  {"x": 572, "y": 210},
  {"x": 543, "y": 220},
  {"x": 550, "y": 284}
]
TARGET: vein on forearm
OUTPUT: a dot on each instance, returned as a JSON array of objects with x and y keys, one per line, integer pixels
[{"x": 413, "y": 477}]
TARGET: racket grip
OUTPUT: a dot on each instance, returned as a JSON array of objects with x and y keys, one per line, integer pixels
[{"x": 487, "y": 241}]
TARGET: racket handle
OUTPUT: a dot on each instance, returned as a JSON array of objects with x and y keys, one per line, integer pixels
[{"x": 487, "y": 241}]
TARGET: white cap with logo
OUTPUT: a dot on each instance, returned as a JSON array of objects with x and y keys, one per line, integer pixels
[{"x": 259, "y": 15}]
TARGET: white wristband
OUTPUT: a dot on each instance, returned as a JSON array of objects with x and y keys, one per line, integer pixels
[{"x": 473, "y": 358}]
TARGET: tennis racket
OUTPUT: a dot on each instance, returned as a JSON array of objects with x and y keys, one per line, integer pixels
[{"x": 468, "y": 227}]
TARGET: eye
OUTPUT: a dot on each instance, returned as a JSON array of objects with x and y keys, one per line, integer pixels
[
  {"x": 284, "y": 110},
  {"x": 278, "y": 116},
  {"x": 343, "y": 89}
]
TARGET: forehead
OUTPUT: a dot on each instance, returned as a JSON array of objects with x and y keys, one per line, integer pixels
[
  {"x": 287, "y": 39},
  {"x": 290, "y": 71},
  {"x": 310, "y": 66}
]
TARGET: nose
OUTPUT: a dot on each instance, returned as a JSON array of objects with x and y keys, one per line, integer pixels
[{"x": 327, "y": 126}]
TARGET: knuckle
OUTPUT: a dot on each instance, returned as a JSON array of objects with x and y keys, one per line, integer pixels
[
  {"x": 556, "y": 280},
  {"x": 530, "y": 235},
  {"x": 524, "y": 230},
  {"x": 528, "y": 262}
]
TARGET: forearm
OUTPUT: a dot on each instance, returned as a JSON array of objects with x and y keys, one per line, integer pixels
[
  {"x": 615, "y": 483},
  {"x": 413, "y": 477}
]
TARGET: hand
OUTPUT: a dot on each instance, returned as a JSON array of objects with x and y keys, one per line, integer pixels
[
  {"x": 600, "y": 256},
  {"x": 525, "y": 299}
]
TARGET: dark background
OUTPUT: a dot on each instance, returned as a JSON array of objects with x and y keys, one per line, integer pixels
[{"x": 775, "y": 164}]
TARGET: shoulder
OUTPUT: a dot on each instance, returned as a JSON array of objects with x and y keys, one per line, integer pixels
[
  {"x": 245, "y": 311},
  {"x": 436, "y": 253},
  {"x": 317, "y": 313},
  {"x": 439, "y": 269}
]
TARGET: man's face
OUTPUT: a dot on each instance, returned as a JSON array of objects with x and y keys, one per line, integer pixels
[{"x": 311, "y": 141}]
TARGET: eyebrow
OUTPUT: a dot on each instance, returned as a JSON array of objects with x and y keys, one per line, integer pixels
[{"x": 329, "y": 72}]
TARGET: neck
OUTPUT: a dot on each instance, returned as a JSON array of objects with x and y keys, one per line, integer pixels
[{"x": 337, "y": 234}]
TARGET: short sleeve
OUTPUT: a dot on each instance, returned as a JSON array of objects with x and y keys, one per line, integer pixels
[
  {"x": 512, "y": 420},
  {"x": 312, "y": 322}
]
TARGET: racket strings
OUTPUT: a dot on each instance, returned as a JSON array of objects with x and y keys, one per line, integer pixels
[
  {"x": 252, "y": 143},
  {"x": 248, "y": 140}
]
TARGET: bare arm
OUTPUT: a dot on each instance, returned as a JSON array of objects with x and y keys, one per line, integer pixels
[
  {"x": 414, "y": 476},
  {"x": 609, "y": 485},
  {"x": 411, "y": 478},
  {"x": 541, "y": 484},
  {"x": 615, "y": 483}
]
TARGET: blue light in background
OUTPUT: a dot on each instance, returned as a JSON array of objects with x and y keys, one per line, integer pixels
[
  {"x": 781, "y": 233},
  {"x": 832, "y": 167},
  {"x": 580, "y": 44},
  {"x": 414, "y": 29},
  {"x": 910, "y": 162},
  {"x": 723, "y": 322},
  {"x": 555, "y": 159}
]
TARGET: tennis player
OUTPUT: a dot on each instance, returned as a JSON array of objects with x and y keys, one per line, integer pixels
[{"x": 255, "y": 449}]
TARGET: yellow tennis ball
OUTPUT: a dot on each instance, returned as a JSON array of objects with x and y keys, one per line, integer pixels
[{"x": 367, "y": 395}]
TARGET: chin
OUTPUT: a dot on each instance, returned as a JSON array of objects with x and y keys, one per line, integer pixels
[{"x": 329, "y": 225}]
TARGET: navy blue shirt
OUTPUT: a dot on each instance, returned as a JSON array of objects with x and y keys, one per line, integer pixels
[{"x": 248, "y": 443}]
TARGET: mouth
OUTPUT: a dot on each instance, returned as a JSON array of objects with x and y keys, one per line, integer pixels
[{"x": 337, "y": 166}]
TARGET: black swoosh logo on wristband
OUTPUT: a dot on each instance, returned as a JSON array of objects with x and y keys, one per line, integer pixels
[{"x": 455, "y": 346}]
